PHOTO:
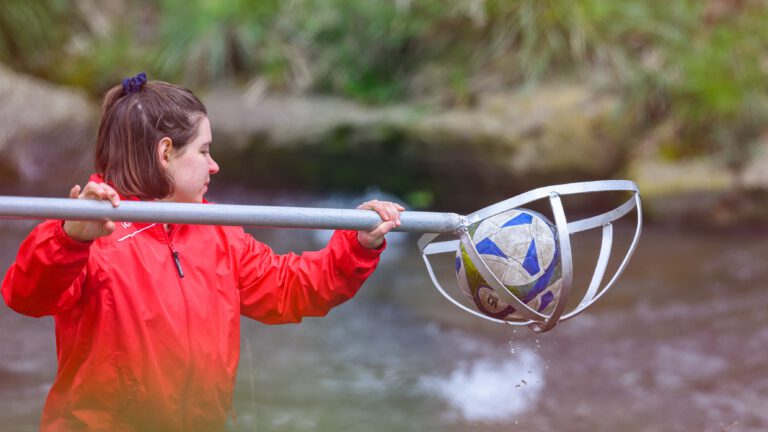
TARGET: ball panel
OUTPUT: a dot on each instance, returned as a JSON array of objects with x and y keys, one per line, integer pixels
[
  {"x": 520, "y": 219},
  {"x": 531, "y": 260},
  {"x": 488, "y": 247}
]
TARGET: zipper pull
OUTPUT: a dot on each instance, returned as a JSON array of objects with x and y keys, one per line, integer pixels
[{"x": 177, "y": 261}]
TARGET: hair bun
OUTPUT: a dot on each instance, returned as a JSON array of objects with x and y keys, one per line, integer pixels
[{"x": 135, "y": 83}]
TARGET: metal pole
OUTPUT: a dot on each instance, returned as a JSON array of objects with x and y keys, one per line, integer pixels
[{"x": 221, "y": 214}]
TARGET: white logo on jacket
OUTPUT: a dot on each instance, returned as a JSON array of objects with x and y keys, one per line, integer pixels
[{"x": 135, "y": 232}]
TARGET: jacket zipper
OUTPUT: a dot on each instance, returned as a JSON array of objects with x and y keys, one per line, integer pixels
[
  {"x": 174, "y": 252},
  {"x": 176, "y": 260}
]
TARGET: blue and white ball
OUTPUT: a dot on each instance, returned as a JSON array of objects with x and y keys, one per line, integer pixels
[{"x": 522, "y": 250}]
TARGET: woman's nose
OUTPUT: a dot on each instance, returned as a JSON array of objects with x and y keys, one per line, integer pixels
[{"x": 213, "y": 167}]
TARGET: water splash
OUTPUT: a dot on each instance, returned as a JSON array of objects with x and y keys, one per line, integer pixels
[{"x": 492, "y": 390}]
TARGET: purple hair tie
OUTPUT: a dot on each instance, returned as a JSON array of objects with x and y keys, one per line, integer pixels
[{"x": 134, "y": 84}]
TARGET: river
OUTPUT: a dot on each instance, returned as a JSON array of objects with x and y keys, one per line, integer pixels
[{"x": 677, "y": 345}]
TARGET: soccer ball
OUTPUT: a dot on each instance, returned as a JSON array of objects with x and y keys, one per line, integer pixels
[{"x": 522, "y": 250}]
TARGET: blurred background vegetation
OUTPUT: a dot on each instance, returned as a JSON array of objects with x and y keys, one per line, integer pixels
[{"x": 697, "y": 67}]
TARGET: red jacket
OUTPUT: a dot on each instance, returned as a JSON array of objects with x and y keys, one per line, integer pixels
[{"x": 148, "y": 322}]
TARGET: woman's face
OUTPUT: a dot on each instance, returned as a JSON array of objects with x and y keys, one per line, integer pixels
[{"x": 192, "y": 166}]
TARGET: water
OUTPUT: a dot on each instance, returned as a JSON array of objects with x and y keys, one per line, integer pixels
[{"x": 678, "y": 345}]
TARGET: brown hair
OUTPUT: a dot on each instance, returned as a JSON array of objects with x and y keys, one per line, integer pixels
[{"x": 130, "y": 127}]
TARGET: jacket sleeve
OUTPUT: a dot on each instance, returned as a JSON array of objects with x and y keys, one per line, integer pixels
[
  {"x": 48, "y": 273},
  {"x": 277, "y": 289}
]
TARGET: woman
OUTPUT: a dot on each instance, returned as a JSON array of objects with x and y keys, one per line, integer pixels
[{"x": 147, "y": 315}]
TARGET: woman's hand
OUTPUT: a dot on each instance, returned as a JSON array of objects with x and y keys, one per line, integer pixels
[
  {"x": 390, "y": 216},
  {"x": 85, "y": 231}
]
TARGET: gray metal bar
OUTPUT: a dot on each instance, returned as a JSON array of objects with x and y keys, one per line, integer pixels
[
  {"x": 544, "y": 192},
  {"x": 603, "y": 219},
  {"x": 566, "y": 264},
  {"x": 442, "y": 291},
  {"x": 221, "y": 214},
  {"x": 625, "y": 261}
]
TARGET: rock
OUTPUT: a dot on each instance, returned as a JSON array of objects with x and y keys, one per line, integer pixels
[
  {"x": 288, "y": 119},
  {"x": 46, "y": 132},
  {"x": 699, "y": 192},
  {"x": 756, "y": 172},
  {"x": 659, "y": 176},
  {"x": 554, "y": 128},
  {"x": 456, "y": 158}
]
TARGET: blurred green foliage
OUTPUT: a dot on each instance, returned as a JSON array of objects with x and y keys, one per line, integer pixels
[
  {"x": 33, "y": 34},
  {"x": 700, "y": 64},
  {"x": 203, "y": 40}
]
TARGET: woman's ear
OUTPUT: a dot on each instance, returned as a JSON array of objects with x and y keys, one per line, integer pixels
[{"x": 164, "y": 150}]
